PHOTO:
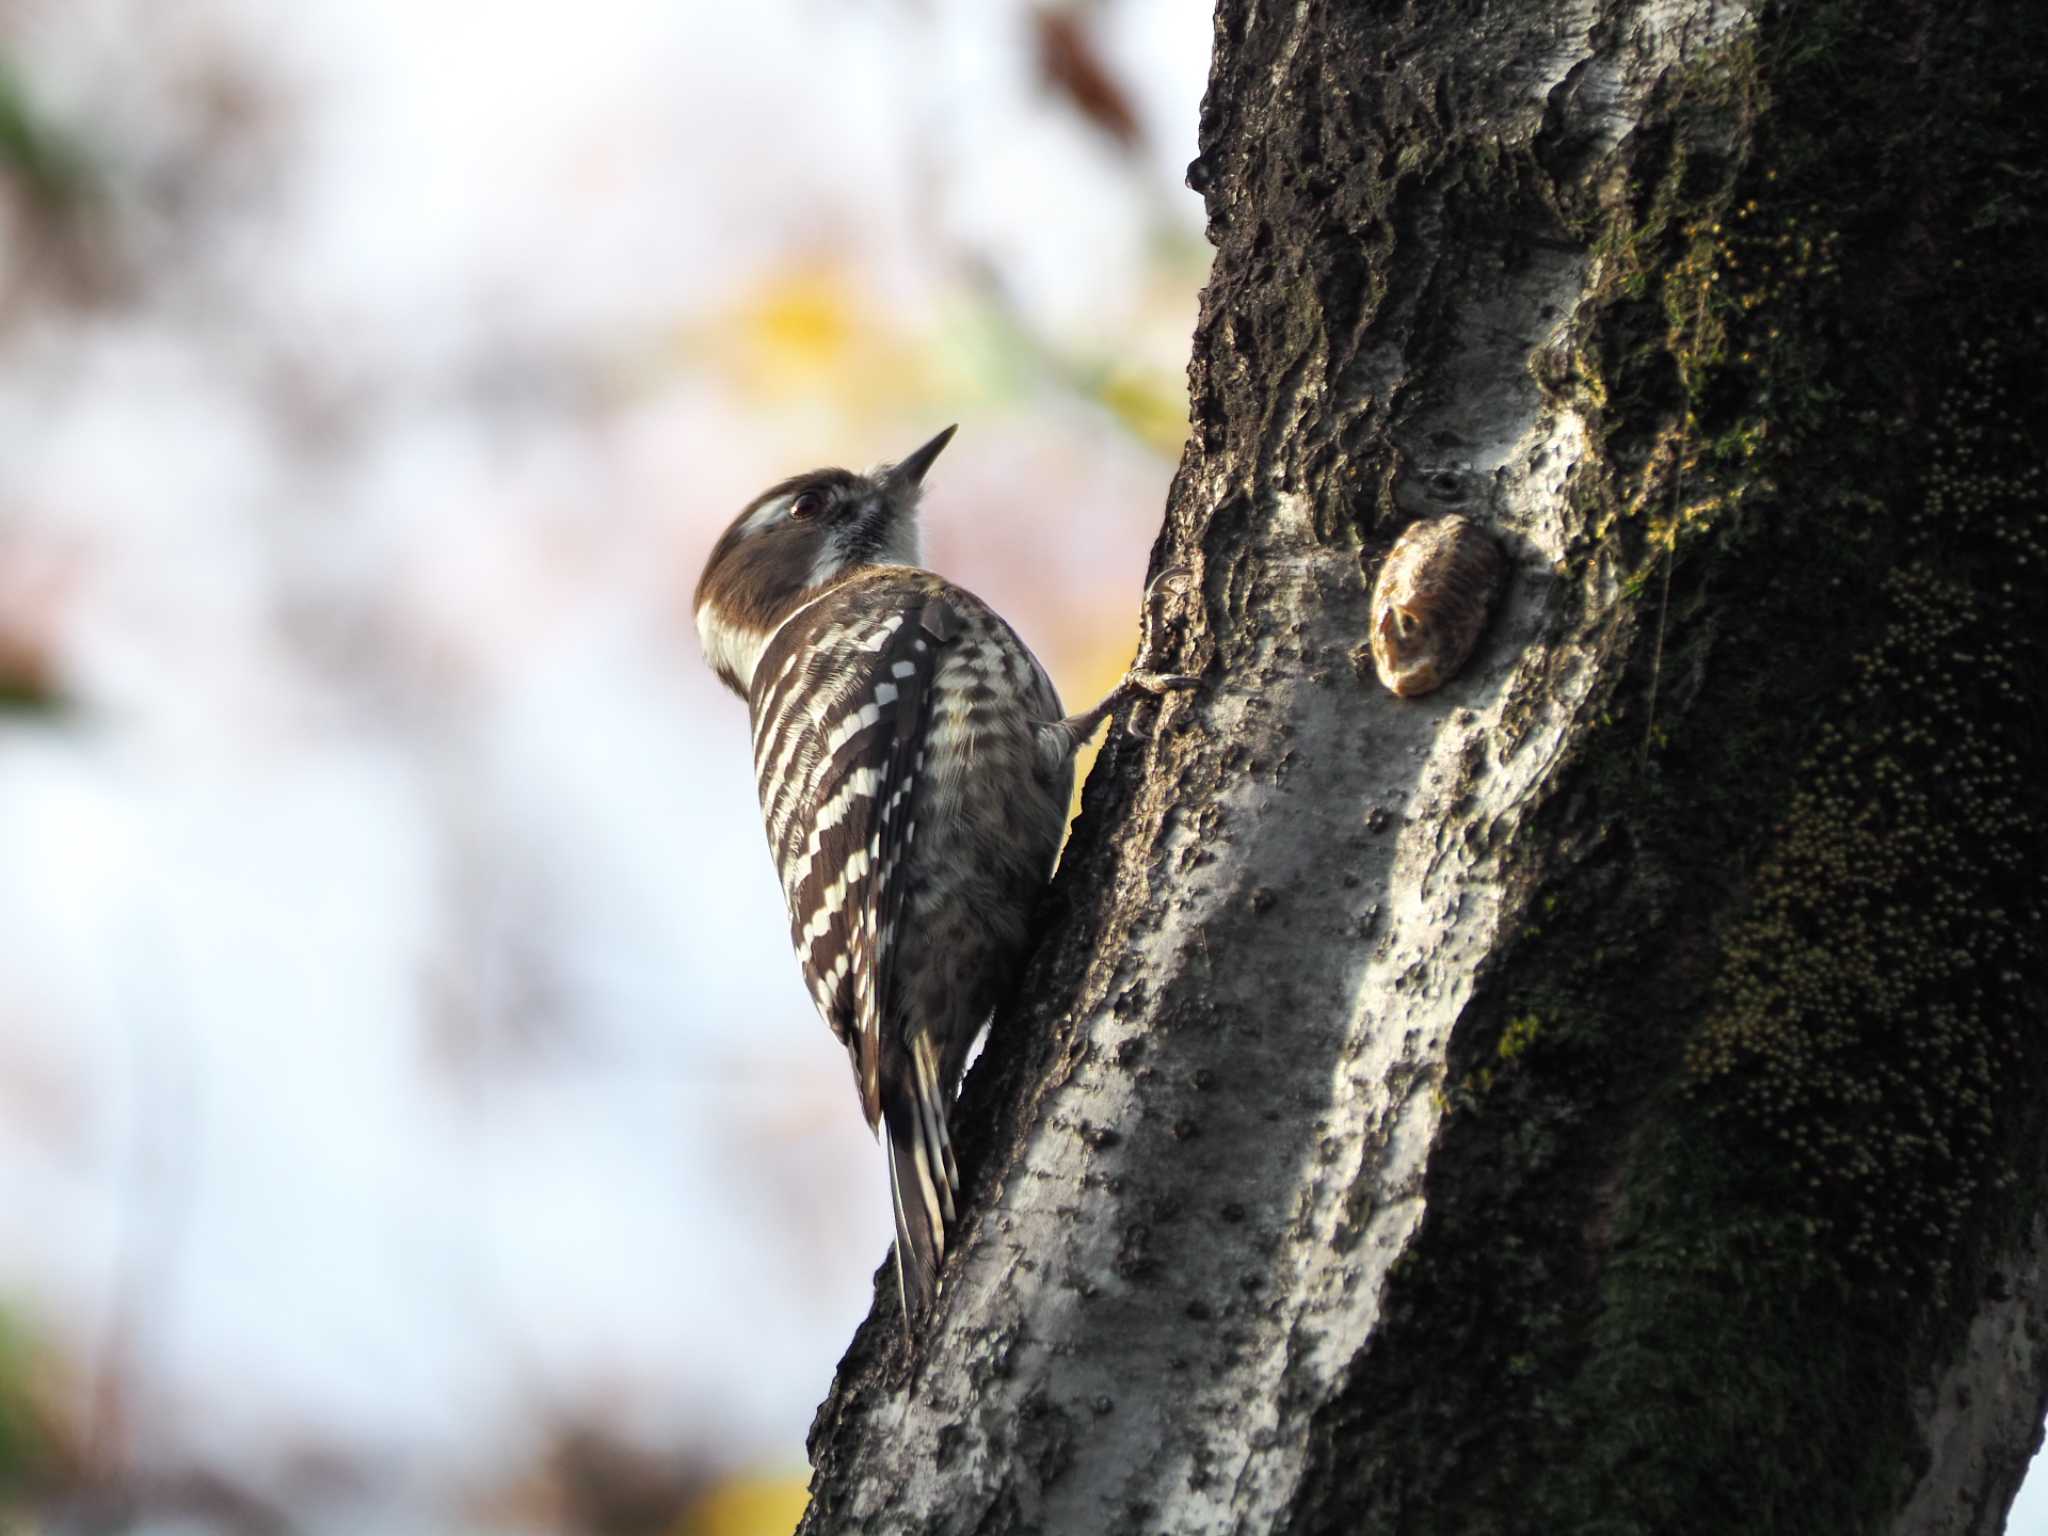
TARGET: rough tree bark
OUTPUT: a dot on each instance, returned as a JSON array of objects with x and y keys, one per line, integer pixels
[{"x": 1608, "y": 1094}]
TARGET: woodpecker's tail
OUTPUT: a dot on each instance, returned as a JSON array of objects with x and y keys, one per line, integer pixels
[{"x": 923, "y": 1178}]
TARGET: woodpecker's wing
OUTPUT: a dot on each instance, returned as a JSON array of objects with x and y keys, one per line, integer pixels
[
  {"x": 914, "y": 1097},
  {"x": 841, "y": 726},
  {"x": 840, "y": 721}
]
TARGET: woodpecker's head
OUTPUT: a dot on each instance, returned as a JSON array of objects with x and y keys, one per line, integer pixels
[{"x": 796, "y": 539}]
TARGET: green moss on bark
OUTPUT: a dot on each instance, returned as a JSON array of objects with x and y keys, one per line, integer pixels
[{"x": 1872, "y": 1015}]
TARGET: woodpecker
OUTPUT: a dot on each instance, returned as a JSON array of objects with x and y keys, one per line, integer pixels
[{"x": 914, "y": 769}]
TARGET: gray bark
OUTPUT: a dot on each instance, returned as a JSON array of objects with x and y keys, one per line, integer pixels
[{"x": 1606, "y": 1094}]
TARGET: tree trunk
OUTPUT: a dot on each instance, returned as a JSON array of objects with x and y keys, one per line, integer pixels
[{"x": 1607, "y": 1094}]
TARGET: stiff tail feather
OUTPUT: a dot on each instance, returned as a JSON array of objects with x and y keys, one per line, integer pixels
[{"x": 923, "y": 1180}]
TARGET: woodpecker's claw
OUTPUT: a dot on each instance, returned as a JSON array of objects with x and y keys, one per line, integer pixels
[
  {"x": 1173, "y": 575},
  {"x": 1160, "y": 682},
  {"x": 1059, "y": 739},
  {"x": 1152, "y": 640},
  {"x": 1155, "y": 684},
  {"x": 1146, "y": 677}
]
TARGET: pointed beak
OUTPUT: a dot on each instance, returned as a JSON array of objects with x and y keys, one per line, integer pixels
[{"x": 910, "y": 471}]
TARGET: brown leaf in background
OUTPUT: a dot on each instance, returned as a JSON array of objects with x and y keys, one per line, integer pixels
[{"x": 1071, "y": 64}]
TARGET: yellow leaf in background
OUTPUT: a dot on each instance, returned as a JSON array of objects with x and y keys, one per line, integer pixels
[
  {"x": 805, "y": 317},
  {"x": 812, "y": 332},
  {"x": 748, "y": 1506},
  {"x": 1151, "y": 406}
]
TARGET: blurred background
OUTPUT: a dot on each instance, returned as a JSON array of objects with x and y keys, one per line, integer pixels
[{"x": 410, "y": 1117}]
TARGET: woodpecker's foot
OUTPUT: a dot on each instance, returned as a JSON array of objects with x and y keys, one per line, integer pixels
[
  {"x": 1058, "y": 740},
  {"x": 1146, "y": 675},
  {"x": 1065, "y": 737},
  {"x": 1153, "y": 684}
]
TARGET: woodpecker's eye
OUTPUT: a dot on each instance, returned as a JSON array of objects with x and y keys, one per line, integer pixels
[{"x": 807, "y": 505}]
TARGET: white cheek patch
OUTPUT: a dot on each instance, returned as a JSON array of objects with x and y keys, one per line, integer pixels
[{"x": 733, "y": 650}]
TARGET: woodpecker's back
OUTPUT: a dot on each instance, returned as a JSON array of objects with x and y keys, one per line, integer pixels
[
  {"x": 913, "y": 829},
  {"x": 914, "y": 776}
]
